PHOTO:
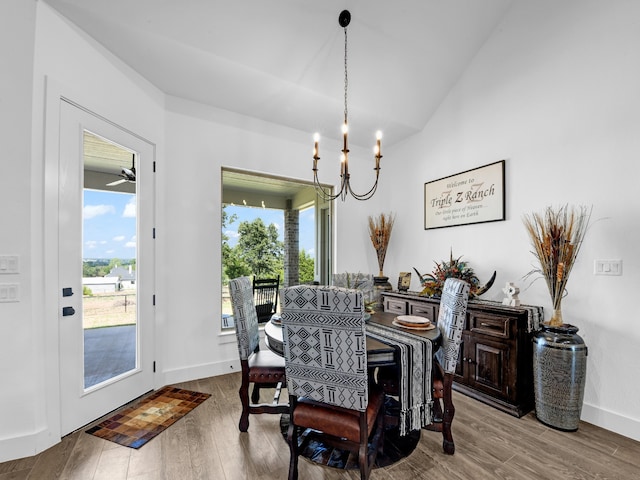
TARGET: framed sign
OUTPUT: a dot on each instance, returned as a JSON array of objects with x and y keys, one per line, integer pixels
[
  {"x": 404, "y": 281},
  {"x": 474, "y": 196}
]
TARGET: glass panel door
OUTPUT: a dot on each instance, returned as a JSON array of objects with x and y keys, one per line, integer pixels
[{"x": 105, "y": 266}]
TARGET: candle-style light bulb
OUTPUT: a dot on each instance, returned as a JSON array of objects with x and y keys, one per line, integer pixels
[
  {"x": 316, "y": 139},
  {"x": 345, "y": 136},
  {"x": 378, "y": 150}
]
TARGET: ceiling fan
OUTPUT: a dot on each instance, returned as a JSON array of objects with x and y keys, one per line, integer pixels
[{"x": 128, "y": 175}]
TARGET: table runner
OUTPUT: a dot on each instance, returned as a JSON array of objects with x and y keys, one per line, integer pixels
[{"x": 415, "y": 374}]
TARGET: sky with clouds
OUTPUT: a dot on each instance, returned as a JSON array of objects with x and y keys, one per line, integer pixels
[{"x": 109, "y": 225}]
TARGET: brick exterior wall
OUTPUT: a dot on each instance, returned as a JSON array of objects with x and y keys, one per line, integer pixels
[{"x": 291, "y": 246}]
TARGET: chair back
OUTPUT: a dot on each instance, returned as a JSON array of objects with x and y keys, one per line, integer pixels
[
  {"x": 325, "y": 347},
  {"x": 451, "y": 321},
  {"x": 244, "y": 313},
  {"x": 265, "y": 292},
  {"x": 359, "y": 281}
]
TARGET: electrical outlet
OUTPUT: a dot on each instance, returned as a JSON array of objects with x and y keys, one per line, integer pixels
[{"x": 607, "y": 267}]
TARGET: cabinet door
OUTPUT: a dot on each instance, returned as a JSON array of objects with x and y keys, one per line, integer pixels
[{"x": 489, "y": 366}]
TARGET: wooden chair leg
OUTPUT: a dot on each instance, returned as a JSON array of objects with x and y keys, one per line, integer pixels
[
  {"x": 363, "y": 459},
  {"x": 255, "y": 394},
  {"x": 244, "y": 400},
  {"x": 292, "y": 439},
  {"x": 437, "y": 411},
  {"x": 449, "y": 411}
]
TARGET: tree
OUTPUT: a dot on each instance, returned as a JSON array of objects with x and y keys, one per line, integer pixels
[
  {"x": 233, "y": 266},
  {"x": 95, "y": 268},
  {"x": 258, "y": 246},
  {"x": 114, "y": 262},
  {"x": 306, "y": 267}
]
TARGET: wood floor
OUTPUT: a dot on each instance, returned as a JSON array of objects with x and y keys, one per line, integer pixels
[{"x": 207, "y": 445}]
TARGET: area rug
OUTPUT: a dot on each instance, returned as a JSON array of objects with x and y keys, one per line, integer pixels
[
  {"x": 135, "y": 425},
  {"x": 395, "y": 447}
]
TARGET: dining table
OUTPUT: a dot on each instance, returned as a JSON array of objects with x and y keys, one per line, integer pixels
[{"x": 404, "y": 350}]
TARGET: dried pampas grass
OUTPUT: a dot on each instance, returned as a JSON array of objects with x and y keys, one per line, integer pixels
[
  {"x": 380, "y": 228},
  {"x": 556, "y": 236}
]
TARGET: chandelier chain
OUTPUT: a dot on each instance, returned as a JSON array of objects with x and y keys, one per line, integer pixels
[{"x": 346, "y": 77}]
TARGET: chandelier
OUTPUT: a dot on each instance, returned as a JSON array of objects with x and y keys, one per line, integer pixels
[{"x": 345, "y": 184}]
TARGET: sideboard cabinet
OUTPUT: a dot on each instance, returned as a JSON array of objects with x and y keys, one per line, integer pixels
[{"x": 495, "y": 363}]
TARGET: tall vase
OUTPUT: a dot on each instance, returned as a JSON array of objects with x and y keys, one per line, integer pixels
[
  {"x": 380, "y": 284},
  {"x": 559, "y": 373}
]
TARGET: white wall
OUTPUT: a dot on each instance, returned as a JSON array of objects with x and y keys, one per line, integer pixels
[
  {"x": 17, "y": 359},
  {"x": 555, "y": 93}
]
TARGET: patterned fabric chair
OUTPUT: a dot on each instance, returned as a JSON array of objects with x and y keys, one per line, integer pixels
[
  {"x": 263, "y": 368},
  {"x": 452, "y": 316},
  {"x": 327, "y": 379},
  {"x": 359, "y": 281}
]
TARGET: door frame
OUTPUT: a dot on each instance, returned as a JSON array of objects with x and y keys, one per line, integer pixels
[{"x": 50, "y": 357}]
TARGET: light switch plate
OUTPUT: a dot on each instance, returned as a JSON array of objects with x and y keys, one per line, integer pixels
[
  {"x": 607, "y": 267},
  {"x": 9, "y": 292},
  {"x": 9, "y": 264}
]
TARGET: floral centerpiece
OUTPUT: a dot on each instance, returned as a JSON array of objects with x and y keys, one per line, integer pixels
[
  {"x": 433, "y": 283},
  {"x": 556, "y": 236},
  {"x": 380, "y": 228}
]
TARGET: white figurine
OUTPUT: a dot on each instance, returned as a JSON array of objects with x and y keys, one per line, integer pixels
[{"x": 511, "y": 292}]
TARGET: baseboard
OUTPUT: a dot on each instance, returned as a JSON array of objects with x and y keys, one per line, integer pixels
[
  {"x": 28, "y": 445},
  {"x": 611, "y": 421},
  {"x": 195, "y": 372}
]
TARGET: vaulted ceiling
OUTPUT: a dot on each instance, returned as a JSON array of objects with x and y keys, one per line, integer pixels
[{"x": 283, "y": 60}]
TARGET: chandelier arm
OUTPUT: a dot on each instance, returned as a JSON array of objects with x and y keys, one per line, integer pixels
[
  {"x": 325, "y": 193},
  {"x": 367, "y": 195},
  {"x": 345, "y": 188}
]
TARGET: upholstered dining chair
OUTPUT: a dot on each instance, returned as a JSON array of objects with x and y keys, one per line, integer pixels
[
  {"x": 262, "y": 368},
  {"x": 452, "y": 316},
  {"x": 327, "y": 379}
]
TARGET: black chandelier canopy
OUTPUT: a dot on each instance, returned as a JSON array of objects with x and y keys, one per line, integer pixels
[{"x": 345, "y": 183}]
